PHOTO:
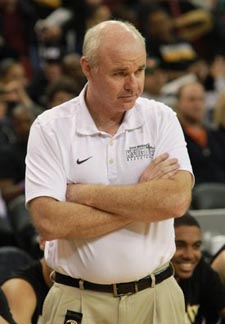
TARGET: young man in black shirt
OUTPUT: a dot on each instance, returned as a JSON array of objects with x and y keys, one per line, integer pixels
[{"x": 203, "y": 290}]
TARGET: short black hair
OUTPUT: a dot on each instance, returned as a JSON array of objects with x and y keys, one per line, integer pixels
[{"x": 186, "y": 220}]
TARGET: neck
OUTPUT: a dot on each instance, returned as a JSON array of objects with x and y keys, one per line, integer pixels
[
  {"x": 188, "y": 122},
  {"x": 103, "y": 117}
]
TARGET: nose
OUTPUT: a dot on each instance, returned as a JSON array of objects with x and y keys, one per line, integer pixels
[
  {"x": 188, "y": 253},
  {"x": 130, "y": 82}
]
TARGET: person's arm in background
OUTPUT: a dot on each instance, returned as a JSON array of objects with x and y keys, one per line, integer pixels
[
  {"x": 21, "y": 299},
  {"x": 75, "y": 220},
  {"x": 5, "y": 314},
  {"x": 218, "y": 265}
]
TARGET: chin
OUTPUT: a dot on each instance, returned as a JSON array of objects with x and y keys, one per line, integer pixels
[{"x": 185, "y": 275}]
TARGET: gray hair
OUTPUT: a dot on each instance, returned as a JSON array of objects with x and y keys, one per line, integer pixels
[{"x": 94, "y": 36}]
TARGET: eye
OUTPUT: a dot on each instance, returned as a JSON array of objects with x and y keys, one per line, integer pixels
[
  {"x": 197, "y": 246},
  {"x": 119, "y": 73}
]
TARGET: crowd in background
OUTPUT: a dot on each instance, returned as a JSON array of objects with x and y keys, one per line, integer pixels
[{"x": 40, "y": 49}]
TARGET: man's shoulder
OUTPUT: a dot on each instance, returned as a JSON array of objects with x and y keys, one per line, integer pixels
[
  {"x": 153, "y": 107},
  {"x": 64, "y": 111}
]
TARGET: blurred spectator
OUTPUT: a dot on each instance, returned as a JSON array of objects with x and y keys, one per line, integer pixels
[
  {"x": 155, "y": 79},
  {"x": 218, "y": 263},
  {"x": 50, "y": 71},
  {"x": 6, "y": 133},
  {"x": 72, "y": 68},
  {"x": 175, "y": 53},
  {"x": 206, "y": 153},
  {"x": 126, "y": 11},
  {"x": 12, "y": 157},
  {"x": 17, "y": 19},
  {"x": 214, "y": 83},
  {"x": 61, "y": 90},
  {"x": 13, "y": 85},
  {"x": 67, "y": 24},
  {"x": 219, "y": 119},
  {"x": 12, "y": 174},
  {"x": 201, "y": 23},
  {"x": 34, "y": 282},
  {"x": 203, "y": 290}
]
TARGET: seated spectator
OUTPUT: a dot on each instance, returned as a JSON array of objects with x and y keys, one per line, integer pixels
[
  {"x": 17, "y": 29},
  {"x": 12, "y": 174},
  {"x": 207, "y": 154},
  {"x": 176, "y": 54},
  {"x": 12, "y": 157},
  {"x": 26, "y": 290},
  {"x": 5, "y": 314},
  {"x": 219, "y": 118},
  {"x": 72, "y": 68},
  {"x": 12, "y": 259},
  {"x": 203, "y": 290},
  {"x": 50, "y": 71},
  {"x": 13, "y": 86},
  {"x": 63, "y": 89},
  {"x": 155, "y": 79},
  {"x": 218, "y": 263},
  {"x": 6, "y": 133}
]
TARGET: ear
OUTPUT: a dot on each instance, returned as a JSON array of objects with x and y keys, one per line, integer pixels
[{"x": 85, "y": 66}]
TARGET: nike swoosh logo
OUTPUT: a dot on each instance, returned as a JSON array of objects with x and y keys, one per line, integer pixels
[{"x": 82, "y": 161}]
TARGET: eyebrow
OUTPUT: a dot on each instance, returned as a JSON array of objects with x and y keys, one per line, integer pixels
[
  {"x": 182, "y": 241},
  {"x": 125, "y": 69}
]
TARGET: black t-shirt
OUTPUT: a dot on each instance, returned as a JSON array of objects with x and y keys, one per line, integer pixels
[
  {"x": 204, "y": 294},
  {"x": 208, "y": 163},
  {"x": 12, "y": 161}
]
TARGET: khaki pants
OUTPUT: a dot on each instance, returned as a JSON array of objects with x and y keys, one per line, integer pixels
[{"x": 163, "y": 304}]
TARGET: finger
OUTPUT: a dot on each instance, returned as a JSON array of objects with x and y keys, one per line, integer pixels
[
  {"x": 160, "y": 158},
  {"x": 169, "y": 175}
]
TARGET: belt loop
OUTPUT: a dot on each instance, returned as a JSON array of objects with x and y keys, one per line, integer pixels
[
  {"x": 115, "y": 293},
  {"x": 152, "y": 276},
  {"x": 136, "y": 286},
  {"x": 52, "y": 276},
  {"x": 81, "y": 284},
  {"x": 172, "y": 266}
]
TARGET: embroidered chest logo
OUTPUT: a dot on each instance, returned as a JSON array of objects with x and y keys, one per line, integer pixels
[{"x": 140, "y": 152}]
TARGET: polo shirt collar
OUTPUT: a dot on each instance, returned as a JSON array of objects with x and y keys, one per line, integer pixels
[{"x": 86, "y": 126}]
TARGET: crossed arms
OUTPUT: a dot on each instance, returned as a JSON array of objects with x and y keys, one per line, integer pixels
[{"x": 92, "y": 210}]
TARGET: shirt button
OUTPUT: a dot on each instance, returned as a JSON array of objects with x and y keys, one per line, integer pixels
[
  {"x": 111, "y": 161},
  {"x": 111, "y": 142}
]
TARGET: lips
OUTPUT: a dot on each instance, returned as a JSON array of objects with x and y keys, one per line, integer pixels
[{"x": 186, "y": 267}]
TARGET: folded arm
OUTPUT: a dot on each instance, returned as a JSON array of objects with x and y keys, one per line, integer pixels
[
  {"x": 65, "y": 220},
  {"x": 68, "y": 220},
  {"x": 148, "y": 201}
]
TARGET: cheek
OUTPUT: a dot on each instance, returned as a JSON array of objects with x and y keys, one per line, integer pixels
[{"x": 198, "y": 255}]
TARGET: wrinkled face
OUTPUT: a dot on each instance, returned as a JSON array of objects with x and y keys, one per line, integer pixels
[
  {"x": 118, "y": 79},
  {"x": 188, "y": 253},
  {"x": 191, "y": 104}
]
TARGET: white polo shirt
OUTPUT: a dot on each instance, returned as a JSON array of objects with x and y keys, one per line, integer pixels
[{"x": 65, "y": 146}]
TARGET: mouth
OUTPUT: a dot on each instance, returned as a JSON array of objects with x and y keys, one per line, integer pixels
[
  {"x": 130, "y": 97},
  {"x": 185, "y": 269}
]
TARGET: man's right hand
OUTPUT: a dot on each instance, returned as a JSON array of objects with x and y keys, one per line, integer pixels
[{"x": 160, "y": 168}]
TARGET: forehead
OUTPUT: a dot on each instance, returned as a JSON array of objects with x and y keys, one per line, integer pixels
[
  {"x": 126, "y": 56},
  {"x": 192, "y": 90},
  {"x": 188, "y": 234}
]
